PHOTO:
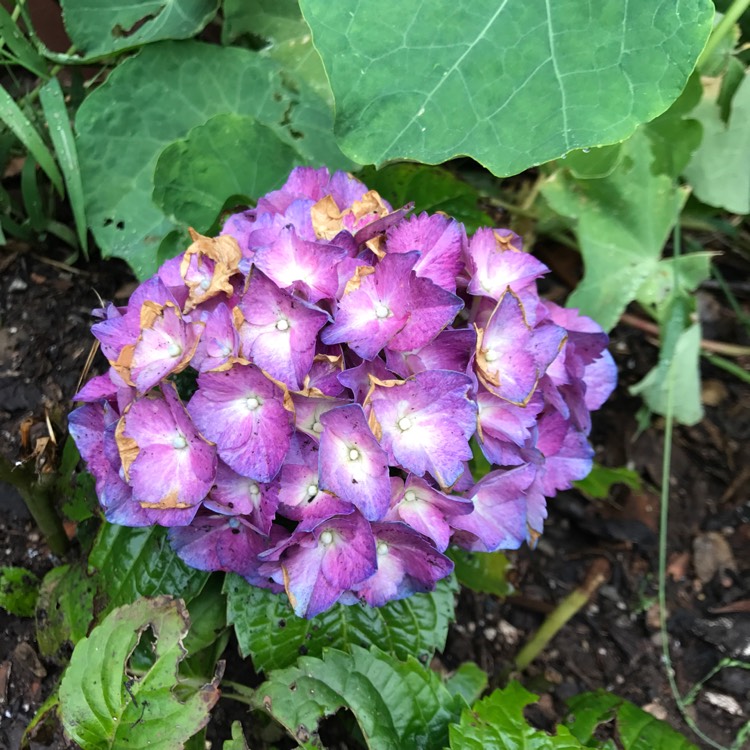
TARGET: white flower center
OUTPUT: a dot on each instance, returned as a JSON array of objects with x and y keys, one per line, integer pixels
[
  {"x": 225, "y": 350},
  {"x": 312, "y": 490},
  {"x": 282, "y": 325},
  {"x": 252, "y": 403},
  {"x": 317, "y": 427},
  {"x": 410, "y": 496},
  {"x": 404, "y": 423},
  {"x": 326, "y": 537},
  {"x": 491, "y": 355},
  {"x": 382, "y": 548},
  {"x": 205, "y": 283},
  {"x": 353, "y": 454},
  {"x": 179, "y": 442},
  {"x": 381, "y": 311},
  {"x": 254, "y": 490},
  {"x": 174, "y": 349}
]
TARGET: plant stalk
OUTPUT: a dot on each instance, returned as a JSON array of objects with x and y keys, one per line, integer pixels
[{"x": 724, "y": 27}]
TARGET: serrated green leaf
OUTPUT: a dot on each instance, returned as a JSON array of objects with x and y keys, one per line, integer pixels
[
  {"x": 268, "y": 630},
  {"x": 485, "y": 572},
  {"x": 396, "y": 704},
  {"x": 64, "y": 610},
  {"x": 288, "y": 39},
  {"x": 510, "y": 84},
  {"x": 108, "y": 26},
  {"x": 218, "y": 160},
  {"x": 19, "y": 590},
  {"x": 138, "y": 562},
  {"x": 468, "y": 681},
  {"x": 155, "y": 98},
  {"x": 601, "y": 479},
  {"x": 103, "y": 707},
  {"x": 620, "y": 241},
  {"x": 720, "y": 169},
  {"x": 431, "y": 188},
  {"x": 497, "y": 723}
]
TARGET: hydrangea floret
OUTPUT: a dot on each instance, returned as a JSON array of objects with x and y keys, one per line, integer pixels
[{"x": 300, "y": 398}]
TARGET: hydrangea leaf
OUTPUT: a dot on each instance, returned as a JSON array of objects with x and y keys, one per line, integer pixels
[
  {"x": 636, "y": 729},
  {"x": 288, "y": 37},
  {"x": 19, "y": 589},
  {"x": 497, "y": 722},
  {"x": 137, "y": 562},
  {"x": 396, "y": 704},
  {"x": 194, "y": 178},
  {"x": 510, "y": 84},
  {"x": 468, "y": 681},
  {"x": 121, "y": 130},
  {"x": 620, "y": 249},
  {"x": 238, "y": 741},
  {"x": 602, "y": 478},
  {"x": 485, "y": 572},
  {"x": 108, "y": 26},
  {"x": 65, "y": 610},
  {"x": 103, "y": 707},
  {"x": 269, "y": 631},
  {"x": 432, "y": 189},
  {"x": 720, "y": 169}
]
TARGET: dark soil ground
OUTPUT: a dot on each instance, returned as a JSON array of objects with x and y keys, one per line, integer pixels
[{"x": 613, "y": 643}]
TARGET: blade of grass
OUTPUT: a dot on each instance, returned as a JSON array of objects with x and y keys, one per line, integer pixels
[
  {"x": 32, "y": 198},
  {"x": 16, "y": 120},
  {"x": 61, "y": 133},
  {"x": 742, "y": 316},
  {"x": 725, "y": 364},
  {"x": 20, "y": 46}
]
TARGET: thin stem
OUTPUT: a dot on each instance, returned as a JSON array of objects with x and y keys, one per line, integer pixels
[
  {"x": 730, "y": 367},
  {"x": 724, "y": 27}
]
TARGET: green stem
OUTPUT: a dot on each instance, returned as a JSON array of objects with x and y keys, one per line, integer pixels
[
  {"x": 724, "y": 27},
  {"x": 566, "y": 609},
  {"x": 739, "y": 372},
  {"x": 38, "y": 494}
]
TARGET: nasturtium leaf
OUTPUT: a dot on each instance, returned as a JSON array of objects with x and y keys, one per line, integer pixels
[
  {"x": 485, "y": 572},
  {"x": 280, "y": 25},
  {"x": 468, "y": 681},
  {"x": 396, "y": 704},
  {"x": 108, "y": 26},
  {"x": 510, "y": 84},
  {"x": 137, "y": 562},
  {"x": 268, "y": 630},
  {"x": 64, "y": 610},
  {"x": 194, "y": 178},
  {"x": 431, "y": 188},
  {"x": 594, "y": 163},
  {"x": 19, "y": 590},
  {"x": 497, "y": 723},
  {"x": 157, "y": 97},
  {"x": 720, "y": 169},
  {"x": 601, "y": 479},
  {"x": 103, "y": 706},
  {"x": 621, "y": 231}
]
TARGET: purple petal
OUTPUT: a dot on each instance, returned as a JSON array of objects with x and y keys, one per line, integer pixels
[
  {"x": 450, "y": 350},
  {"x": 219, "y": 343},
  {"x": 309, "y": 409}
]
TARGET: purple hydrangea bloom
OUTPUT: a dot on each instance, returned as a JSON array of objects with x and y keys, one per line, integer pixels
[{"x": 340, "y": 362}]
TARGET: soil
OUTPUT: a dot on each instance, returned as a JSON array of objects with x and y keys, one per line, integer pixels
[{"x": 612, "y": 643}]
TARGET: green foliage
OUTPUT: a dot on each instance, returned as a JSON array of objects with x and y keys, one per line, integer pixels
[
  {"x": 238, "y": 740},
  {"x": 497, "y": 723},
  {"x": 468, "y": 681},
  {"x": 108, "y": 26},
  {"x": 510, "y": 84},
  {"x": 122, "y": 130},
  {"x": 139, "y": 562},
  {"x": 19, "y": 589},
  {"x": 601, "y": 479},
  {"x": 194, "y": 177},
  {"x": 104, "y": 706},
  {"x": 635, "y": 729},
  {"x": 397, "y": 704},
  {"x": 485, "y": 572},
  {"x": 269, "y": 631}
]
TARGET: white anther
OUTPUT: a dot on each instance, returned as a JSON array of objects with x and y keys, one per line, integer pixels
[
  {"x": 317, "y": 427},
  {"x": 382, "y": 548},
  {"x": 491, "y": 355},
  {"x": 410, "y": 496},
  {"x": 282, "y": 325},
  {"x": 205, "y": 283},
  {"x": 353, "y": 454},
  {"x": 381, "y": 311},
  {"x": 179, "y": 442},
  {"x": 254, "y": 490},
  {"x": 312, "y": 490},
  {"x": 404, "y": 423},
  {"x": 326, "y": 537},
  {"x": 174, "y": 350},
  {"x": 252, "y": 403}
]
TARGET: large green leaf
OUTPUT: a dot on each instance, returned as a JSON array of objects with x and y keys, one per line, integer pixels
[
  {"x": 720, "y": 169},
  {"x": 194, "y": 178},
  {"x": 485, "y": 572},
  {"x": 396, "y": 704},
  {"x": 157, "y": 97},
  {"x": 622, "y": 222},
  {"x": 497, "y": 723},
  {"x": 103, "y": 706},
  {"x": 137, "y": 562},
  {"x": 269, "y": 631},
  {"x": 106, "y": 26},
  {"x": 511, "y": 84}
]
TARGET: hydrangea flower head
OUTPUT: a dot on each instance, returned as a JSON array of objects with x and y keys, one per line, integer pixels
[{"x": 300, "y": 399}]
